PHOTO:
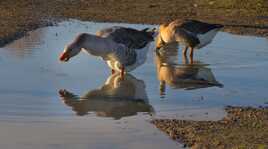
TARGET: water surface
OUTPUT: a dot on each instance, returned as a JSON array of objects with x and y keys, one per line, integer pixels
[{"x": 98, "y": 106}]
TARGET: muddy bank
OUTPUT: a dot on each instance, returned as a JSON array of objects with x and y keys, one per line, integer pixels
[
  {"x": 19, "y": 16},
  {"x": 241, "y": 128}
]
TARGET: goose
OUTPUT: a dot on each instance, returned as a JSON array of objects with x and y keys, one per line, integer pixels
[
  {"x": 191, "y": 33},
  {"x": 116, "y": 98},
  {"x": 181, "y": 76},
  {"x": 123, "y": 49}
]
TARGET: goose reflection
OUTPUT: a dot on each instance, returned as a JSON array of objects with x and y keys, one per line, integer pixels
[
  {"x": 186, "y": 76},
  {"x": 117, "y": 98}
]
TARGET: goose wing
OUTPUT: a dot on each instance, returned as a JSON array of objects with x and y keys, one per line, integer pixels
[
  {"x": 131, "y": 38},
  {"x": 199, "y": 27}
]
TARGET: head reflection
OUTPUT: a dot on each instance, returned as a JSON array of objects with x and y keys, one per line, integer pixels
[
  {"x": 117, "y": 98},
  {"x": 188, "y": 75}
]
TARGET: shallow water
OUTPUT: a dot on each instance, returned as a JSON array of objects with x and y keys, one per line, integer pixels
[{"x": 31, "y": 78}]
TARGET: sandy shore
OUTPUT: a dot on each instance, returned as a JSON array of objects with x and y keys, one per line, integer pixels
[
  {"x": 241, "y": 128},
  {"x": 18, "y": 17}
]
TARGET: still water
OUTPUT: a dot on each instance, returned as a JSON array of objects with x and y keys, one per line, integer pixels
[{"x": 46, "y": 103}]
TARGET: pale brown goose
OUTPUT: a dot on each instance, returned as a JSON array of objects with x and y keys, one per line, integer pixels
[
  {"x": 124, "y": 49},
  {"x": 191, "y": 33}
]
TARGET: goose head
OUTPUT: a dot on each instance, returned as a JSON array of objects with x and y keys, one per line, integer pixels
[
  {"x": 73, "y": 48},
  {"x": 162, "y": 31},
  {"x": 162, "y": 27}
]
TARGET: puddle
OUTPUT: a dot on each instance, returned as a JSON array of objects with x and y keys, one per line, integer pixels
[{"x": 232, "y": 70}]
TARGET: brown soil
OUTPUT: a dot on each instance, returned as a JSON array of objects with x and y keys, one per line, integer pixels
[
  {"x": 243, "y": 128},
  {"x": 240, "y": 16}
]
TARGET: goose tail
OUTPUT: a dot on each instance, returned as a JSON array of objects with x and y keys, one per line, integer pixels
[{"x": 151, "y": 32}]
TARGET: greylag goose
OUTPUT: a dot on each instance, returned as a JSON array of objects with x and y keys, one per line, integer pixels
[
  {"x": 124, "y": 49},
  {"x": 117, "y": 98},
  {"x": 191, "y": 33},
  {"x": 181, "y": 76}
]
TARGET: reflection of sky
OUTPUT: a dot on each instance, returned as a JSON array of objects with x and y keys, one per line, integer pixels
[{"x": 29, "y": 84}]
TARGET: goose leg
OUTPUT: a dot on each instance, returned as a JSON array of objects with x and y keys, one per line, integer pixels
[
  {"x": 122, "y": 72},
  {"x": 185, "y": 51},
  {"x": 191, "y": 55},
  {"x": 185, "y": 59}
]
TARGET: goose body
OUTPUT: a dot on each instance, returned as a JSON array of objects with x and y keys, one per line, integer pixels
[
  {"x": 191, "y": 33},
  {"x": 136, "y": 45},
  {"x": 123, "y": 49}
]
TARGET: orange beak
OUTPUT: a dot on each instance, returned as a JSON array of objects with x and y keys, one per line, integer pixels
[{"x": 64, "y": 57}]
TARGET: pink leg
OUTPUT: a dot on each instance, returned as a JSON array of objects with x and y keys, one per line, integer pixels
[
  {"x": 185, "y": 51},
  {"x": 191, "y": 55}
]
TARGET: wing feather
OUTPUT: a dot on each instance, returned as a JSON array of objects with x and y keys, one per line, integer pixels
[
  {"x": 199, "y": 27},
  {"x": 131, "y": 38}
]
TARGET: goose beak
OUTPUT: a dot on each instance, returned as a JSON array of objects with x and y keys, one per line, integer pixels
[{"x": 64, "y": 57}]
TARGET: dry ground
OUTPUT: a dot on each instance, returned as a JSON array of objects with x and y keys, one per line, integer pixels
[
  {"x": 20, "y": 16},
  {"x": 242, "y": 128}
]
